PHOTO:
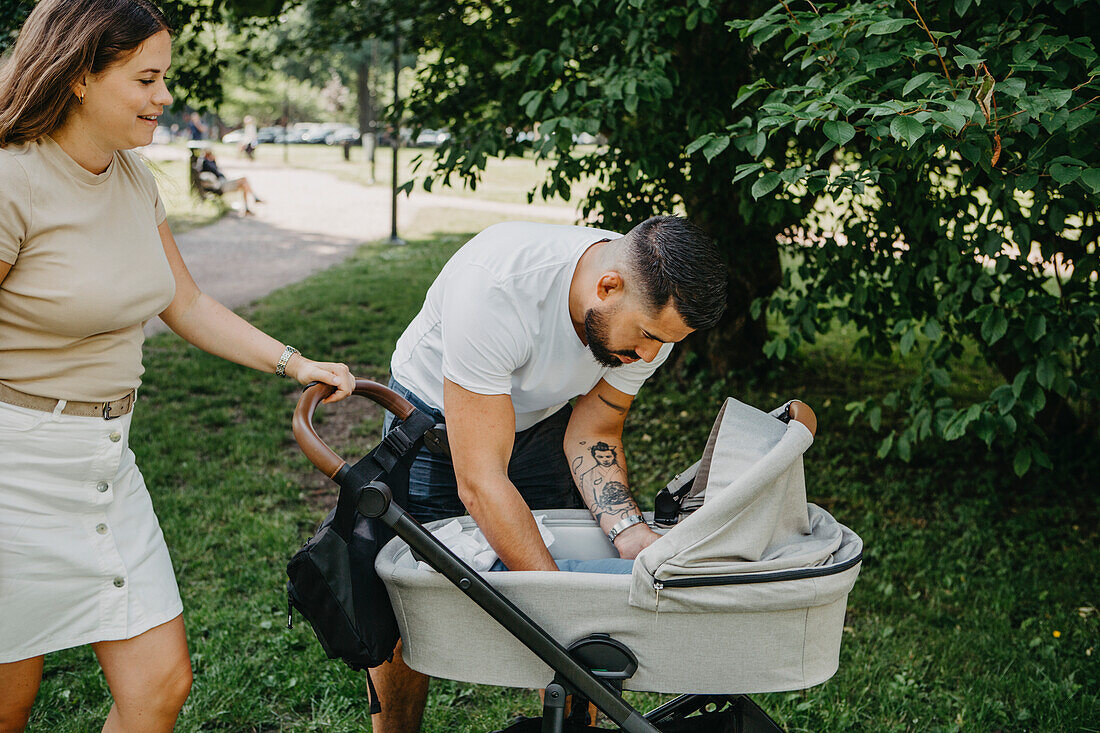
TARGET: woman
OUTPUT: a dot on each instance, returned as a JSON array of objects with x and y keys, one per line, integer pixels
[
  {"x": 86, "y": 257},
  {"x": 224, "y": 184}
]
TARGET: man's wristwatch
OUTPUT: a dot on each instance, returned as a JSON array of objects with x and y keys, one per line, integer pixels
[{"x": 624, "y": 524}]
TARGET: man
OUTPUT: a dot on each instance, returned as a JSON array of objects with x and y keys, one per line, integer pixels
[{"x": 522, "y": 319}]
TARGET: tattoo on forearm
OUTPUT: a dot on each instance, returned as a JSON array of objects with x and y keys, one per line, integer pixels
[
  {"x": 617, "y": 408},
  {"x": 602, "y": 481},
  {"x": 614, "y": 500}
]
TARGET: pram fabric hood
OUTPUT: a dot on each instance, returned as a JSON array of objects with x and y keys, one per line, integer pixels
[{"x": 754, "y": 522}]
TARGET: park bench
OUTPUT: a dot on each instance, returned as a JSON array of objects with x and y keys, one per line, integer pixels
[{"x": 202, "y": 184}]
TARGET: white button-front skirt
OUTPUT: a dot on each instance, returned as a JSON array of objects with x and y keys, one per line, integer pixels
[{"x": 82, "y": 557}]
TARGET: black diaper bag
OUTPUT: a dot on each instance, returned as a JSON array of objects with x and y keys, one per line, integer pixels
[{"x": 332, "y": 582}]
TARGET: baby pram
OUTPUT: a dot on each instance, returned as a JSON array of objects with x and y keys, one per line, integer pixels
[{"x": 745, "y": 594}]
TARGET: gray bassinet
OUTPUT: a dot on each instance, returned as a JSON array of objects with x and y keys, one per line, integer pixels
[{"x": 746, "y": 594}]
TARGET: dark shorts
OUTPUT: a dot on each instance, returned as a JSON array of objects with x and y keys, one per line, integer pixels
[{"x": 538, "y": 468}]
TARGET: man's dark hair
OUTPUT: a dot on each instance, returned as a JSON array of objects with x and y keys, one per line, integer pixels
[
  {"x": 672, "y": 259},
  {"x": 603, "y": 447}
]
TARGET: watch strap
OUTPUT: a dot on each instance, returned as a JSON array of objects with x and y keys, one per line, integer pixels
[{"x": 624, "y": 524}]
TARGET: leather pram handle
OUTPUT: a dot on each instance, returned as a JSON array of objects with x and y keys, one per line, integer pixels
[{"x": 316, "y": 450}]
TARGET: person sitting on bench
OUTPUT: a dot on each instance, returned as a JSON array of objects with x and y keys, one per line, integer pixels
[{"x": 223, "y": 185}]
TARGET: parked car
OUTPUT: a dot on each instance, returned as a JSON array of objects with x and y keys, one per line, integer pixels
[
  {"x": 270, "y": 135},
  {"x": 235, "y": 137},
  {"x": 431, "y": 138},
  {"x": 320, "y": 131},
  {"x": 344, "y": 135}
]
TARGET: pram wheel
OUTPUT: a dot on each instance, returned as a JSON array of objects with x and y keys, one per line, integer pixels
[
  {"x": 712, "y": 714},
  {"x": 685, "y": 714}
]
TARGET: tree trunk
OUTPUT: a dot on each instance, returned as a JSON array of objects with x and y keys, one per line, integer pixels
[
  {"x": 752, "y": 257},
  {"x": 363, "y": 97}
]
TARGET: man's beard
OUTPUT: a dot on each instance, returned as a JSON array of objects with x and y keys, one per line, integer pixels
[{"x": 595, "y": 331}]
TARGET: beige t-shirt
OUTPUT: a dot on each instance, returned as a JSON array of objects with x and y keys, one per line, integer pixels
[{"x": 88, "y": 269}]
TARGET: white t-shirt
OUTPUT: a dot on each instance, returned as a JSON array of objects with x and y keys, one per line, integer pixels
[{"x": 496, "y": 321}]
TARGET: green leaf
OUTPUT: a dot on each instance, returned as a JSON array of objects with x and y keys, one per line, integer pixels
[
  {"x": 1013, "y": 87},
  {"x": 838, "y": 131},
  {"x": 1022, "y": 462},
  {"x": 715, "y": 147},
  {"x": 826, "y": 147},
  {"x": 933, "y": 330},
  {"x": 885, "y": 446},
  {"x": 917, "y": 81},
  {"x": 532, "y": 107},
  {"x": 880, "y": 60},
  {"x": 1078, "y": 118},
  {"x": 1036, "y": 326},
  {"x": 907, "y": 129},
  {"x": 952, "y": 119},
  {"x": 1004, "y": 397},
  {"x": 994, "y": 327},
  {"x": 756, "y": 145},
  {"x": 765, "y": 185},
  {"x": 746, "y": 169},
  {"x": 884, "y": 27},
  {"x": 747, "y": 91},
  {"x": 907, "y": 340},
  {"x": 1045, "y": 371},
  {"x": 1064, "y": 174},
  {"x": 699, "y": 142},
  {"x": 1091, "y": 179},
  {"x": 904, "y": 448},
  {"x": 561, "y": 97},
  {"x": 1027, "y": 181},
  {"x": 964, "y": 107}
]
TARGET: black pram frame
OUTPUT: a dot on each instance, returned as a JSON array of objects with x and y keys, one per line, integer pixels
[{"x": 592, "y": 668}]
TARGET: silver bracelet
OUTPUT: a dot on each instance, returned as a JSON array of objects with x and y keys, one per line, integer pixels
[
  {"x": 280, "y": 368},
  {"x": 624, "y": 524}
]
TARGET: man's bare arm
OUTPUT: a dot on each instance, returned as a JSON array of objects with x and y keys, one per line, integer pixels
[
  {"x": 593, "y": 446},
  {"x": 481, "y": 430}
]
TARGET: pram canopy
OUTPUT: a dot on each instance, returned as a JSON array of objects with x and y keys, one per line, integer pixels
[{"x": 746, "y": 594}]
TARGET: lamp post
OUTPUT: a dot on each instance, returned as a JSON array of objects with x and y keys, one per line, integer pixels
[{"x": 395, "y": 140}]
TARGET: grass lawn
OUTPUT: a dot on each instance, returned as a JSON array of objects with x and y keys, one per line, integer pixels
[{"x": 976, "y": 609}]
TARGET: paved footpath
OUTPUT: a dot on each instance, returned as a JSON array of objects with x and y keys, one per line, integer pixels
[{"x": 308, "y": 222}]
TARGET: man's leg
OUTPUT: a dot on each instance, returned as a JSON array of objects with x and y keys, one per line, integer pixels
[
  {"x": 433, "y": 494},
  {"x": 402, "y": 692}
]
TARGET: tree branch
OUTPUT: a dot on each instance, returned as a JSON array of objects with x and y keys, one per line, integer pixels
[{"x": 920, "y": 19}]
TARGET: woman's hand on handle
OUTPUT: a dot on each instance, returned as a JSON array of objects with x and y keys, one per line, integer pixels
[{"x": 305, "y": 370}]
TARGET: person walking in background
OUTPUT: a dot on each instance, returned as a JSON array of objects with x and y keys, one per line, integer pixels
[
  {"x": 195, "y": 128},
  {"x": 86, "y": 258},
  {"x": 251, "y": 135}
]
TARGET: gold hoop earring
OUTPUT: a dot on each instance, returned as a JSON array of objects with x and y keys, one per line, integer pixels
[{"x": 81, "y": 98}]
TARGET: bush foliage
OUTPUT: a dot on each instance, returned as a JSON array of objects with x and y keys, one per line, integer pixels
[
  {"x": 928, "y": 166},
  {"x": 946, "y": 154}
]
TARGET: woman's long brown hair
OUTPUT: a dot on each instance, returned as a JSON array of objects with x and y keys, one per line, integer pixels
[{"x": 62, "y": 42}]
